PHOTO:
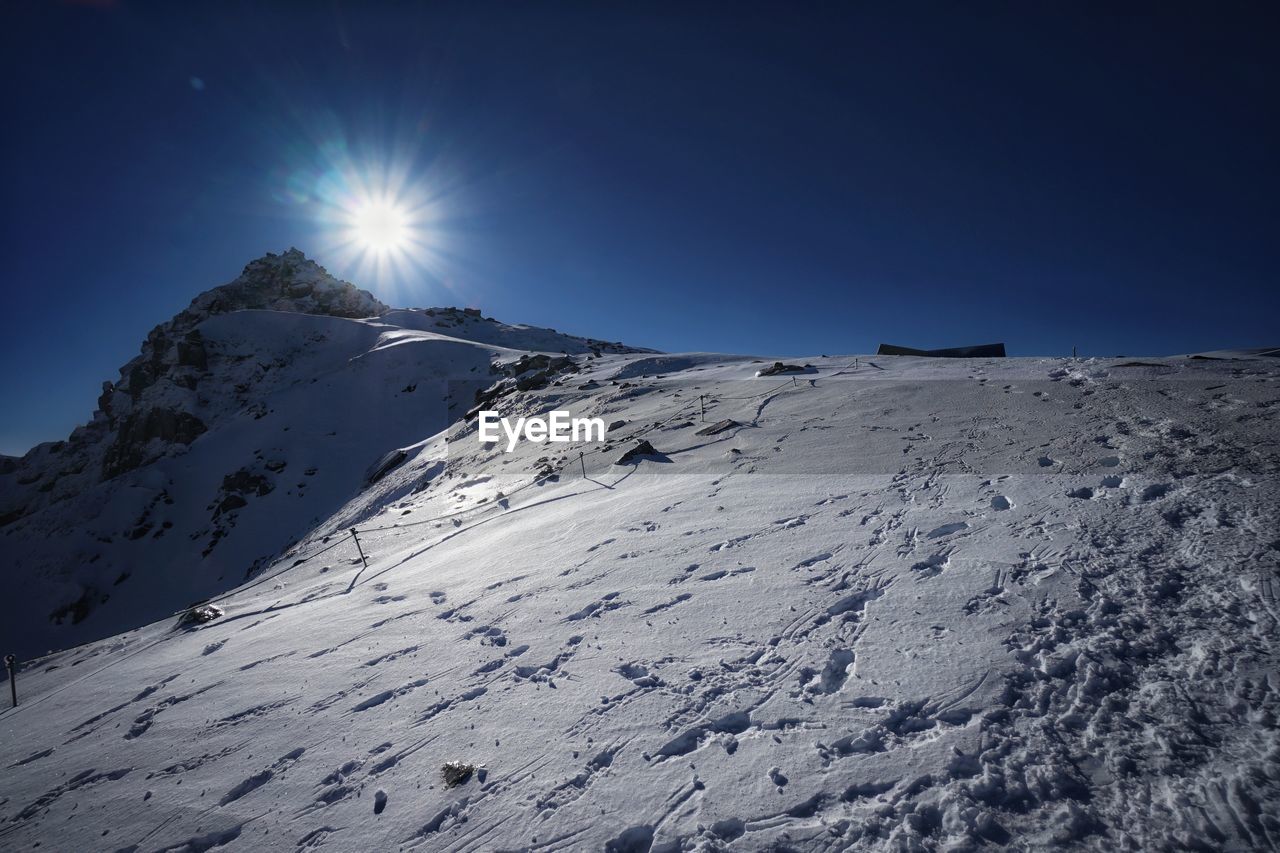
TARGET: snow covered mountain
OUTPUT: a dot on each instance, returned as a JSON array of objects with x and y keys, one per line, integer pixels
[
  {"x": 246, "y": 419},
  {"x": 893, "y": 603}
]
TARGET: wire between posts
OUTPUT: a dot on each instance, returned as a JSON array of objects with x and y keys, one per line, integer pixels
[
  {"x": 264, "y": 578},
  {"x": 555, "y": 472},
  {"x": 340, "y": 540}
]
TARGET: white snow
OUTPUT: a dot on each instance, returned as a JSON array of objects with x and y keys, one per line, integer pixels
[{"x": 920, "y": 604}]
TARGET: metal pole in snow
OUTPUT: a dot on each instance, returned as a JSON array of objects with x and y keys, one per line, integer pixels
[
  {"x": 583, "y": 464},
  {"x": 11, "y": 663},
  {"x": 363, "y": 561},
  {"x": 702, "y": 408}
]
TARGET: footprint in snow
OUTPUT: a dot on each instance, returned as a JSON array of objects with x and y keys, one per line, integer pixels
[
  {"x": 1155, "y": 491},
  {"x": 932, "y": 566}
]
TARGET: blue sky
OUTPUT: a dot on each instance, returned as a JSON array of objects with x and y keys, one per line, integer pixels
[{"x": 746, "y": 177}]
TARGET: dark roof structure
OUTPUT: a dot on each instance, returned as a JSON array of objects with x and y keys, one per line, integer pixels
[{"x": 979, "y": 351}]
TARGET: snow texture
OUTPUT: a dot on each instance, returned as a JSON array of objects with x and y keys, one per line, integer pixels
[{"x": 919, "y": 604}]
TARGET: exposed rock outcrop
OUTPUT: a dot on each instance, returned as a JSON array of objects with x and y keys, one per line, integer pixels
[
  {"x": 641, "y": 450},
  {"x": 132, "y": 445},
  {"x": 779, "y": 368}
]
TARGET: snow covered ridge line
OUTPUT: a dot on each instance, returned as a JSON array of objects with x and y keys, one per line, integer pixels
[{"x": 560, "y": 427}]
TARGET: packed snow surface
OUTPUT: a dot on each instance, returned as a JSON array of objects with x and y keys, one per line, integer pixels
[{"x": 912, "y": 604}]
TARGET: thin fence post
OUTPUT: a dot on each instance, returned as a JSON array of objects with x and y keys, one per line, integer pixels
[
  {"x": 582, "y": 462},
  {"x": 11, "y": 663},
  {"x": 363, "y": 561},
  {"x": 702, "y": 408}
]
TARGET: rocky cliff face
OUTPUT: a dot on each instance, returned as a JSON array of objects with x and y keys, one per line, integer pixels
[{"x": 162, "y": 400}]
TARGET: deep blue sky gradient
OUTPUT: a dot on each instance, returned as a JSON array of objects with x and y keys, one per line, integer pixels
[{"x": 752, "y": 178}]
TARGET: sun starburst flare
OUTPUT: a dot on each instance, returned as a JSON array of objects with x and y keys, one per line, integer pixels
[
  {"x": 380, "y": 222},
  {"x": 383, "y": 234},
  {"x": 380, "y": 227}
]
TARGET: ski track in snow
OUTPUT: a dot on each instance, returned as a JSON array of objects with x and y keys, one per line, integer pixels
[{"x": 928, "y": 605}]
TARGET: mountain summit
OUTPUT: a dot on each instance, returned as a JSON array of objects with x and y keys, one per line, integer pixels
[
  {"x": 158, "y": 483},
  {"x": 285, "y": 282},
  {"x": 154, "y": 406}
]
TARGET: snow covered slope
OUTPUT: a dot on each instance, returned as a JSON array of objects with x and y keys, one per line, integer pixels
[
  {"x": 247, "y": 419},
  {"x": 912, "y": 604}
]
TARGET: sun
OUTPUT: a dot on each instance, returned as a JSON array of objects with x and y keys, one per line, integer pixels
[
  {"x": 381, "y": 227},
  {"x": 380, "y": 221}
]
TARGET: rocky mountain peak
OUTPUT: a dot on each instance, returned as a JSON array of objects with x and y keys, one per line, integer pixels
[
  {"x": 189, "y": 378},
  {"x": 154, "y": 407},
  {"x": 286, "y": 282}
]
